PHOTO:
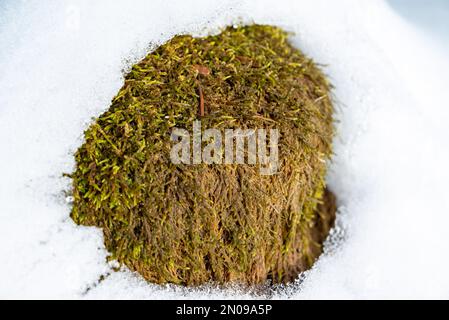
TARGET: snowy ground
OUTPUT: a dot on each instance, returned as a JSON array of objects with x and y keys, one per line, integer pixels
[{"x": 61, "y": 62}]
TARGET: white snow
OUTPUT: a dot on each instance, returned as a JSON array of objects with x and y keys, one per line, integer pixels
[{"x": 61, "y": 62}]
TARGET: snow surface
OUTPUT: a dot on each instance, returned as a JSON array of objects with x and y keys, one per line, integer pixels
[
  {"x": 432, "y": 16},
  {"x": 61, "y": 62}
]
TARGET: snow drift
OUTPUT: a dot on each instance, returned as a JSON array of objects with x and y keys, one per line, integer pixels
[{"x": 62, "y": 62}]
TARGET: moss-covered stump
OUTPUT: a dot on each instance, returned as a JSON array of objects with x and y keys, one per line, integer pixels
[{"x": 191, "y": 224}]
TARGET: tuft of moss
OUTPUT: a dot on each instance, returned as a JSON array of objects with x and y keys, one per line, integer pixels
[{"x": 191, "y": 224}]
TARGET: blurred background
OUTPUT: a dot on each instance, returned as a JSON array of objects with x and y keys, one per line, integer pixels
[{"x": 431, "y": 16}]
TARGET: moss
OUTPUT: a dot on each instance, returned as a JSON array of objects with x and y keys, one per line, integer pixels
[{"x": 190, "y": 224}]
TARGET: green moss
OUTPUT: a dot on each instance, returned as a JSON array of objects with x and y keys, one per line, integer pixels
[{"x": 190, "y": 224}]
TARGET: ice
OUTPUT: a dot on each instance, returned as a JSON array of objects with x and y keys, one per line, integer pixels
[{"x": 62, "y": 62}]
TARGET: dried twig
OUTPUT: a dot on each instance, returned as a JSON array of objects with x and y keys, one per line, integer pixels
[{"x": 201, "y": 101}]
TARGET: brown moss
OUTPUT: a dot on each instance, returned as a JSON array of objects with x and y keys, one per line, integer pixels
[{"x": 190, "y": 224}]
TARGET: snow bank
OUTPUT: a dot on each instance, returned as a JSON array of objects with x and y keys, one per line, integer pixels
[{"x": 61, "y": 63}]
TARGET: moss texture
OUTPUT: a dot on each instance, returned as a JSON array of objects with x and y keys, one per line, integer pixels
[{"x": 191, "y": 224}]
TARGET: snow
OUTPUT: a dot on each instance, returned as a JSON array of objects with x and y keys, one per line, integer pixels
[
  {"x": 62, "y": 61},
  {"x": 432, "y": 17}
]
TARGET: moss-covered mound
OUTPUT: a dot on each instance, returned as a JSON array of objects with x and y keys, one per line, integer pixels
[{"x": 190, "y": 224}]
